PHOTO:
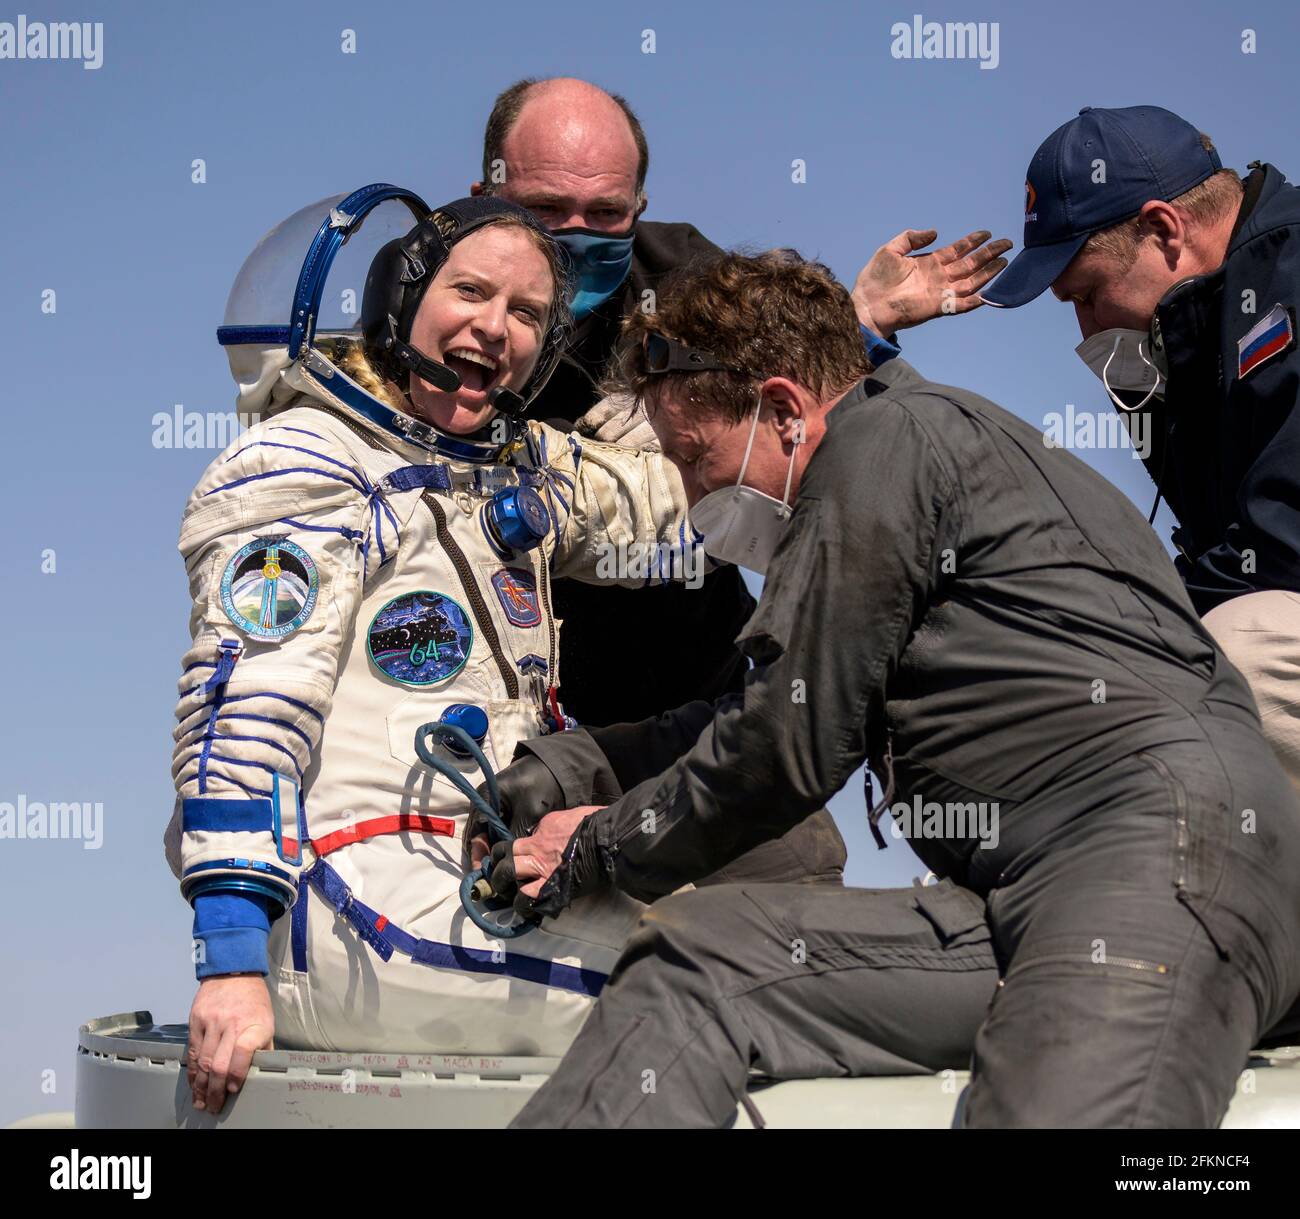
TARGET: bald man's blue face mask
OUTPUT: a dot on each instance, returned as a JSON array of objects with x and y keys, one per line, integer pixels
[{"x": 601, "y": 262}]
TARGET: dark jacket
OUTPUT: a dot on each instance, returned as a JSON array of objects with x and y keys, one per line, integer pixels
[
  {"x": 628, "y": 653},
  {"x": 1226, "y": 451},
  {"x": 988, "y": 610}
]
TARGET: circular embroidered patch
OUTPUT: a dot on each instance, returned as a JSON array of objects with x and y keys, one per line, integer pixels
[
  {"x": 420, "y": 638},
  {"x": 269, "y": 588}
]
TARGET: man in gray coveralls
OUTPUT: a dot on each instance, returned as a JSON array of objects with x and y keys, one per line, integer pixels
[{"x": 993, "y": 626}]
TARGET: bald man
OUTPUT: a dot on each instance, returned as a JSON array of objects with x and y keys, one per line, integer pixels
[{"x": 576, "y": 156}]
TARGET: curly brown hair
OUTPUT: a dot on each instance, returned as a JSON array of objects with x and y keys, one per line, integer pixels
[{"x": 775, "y": 314}]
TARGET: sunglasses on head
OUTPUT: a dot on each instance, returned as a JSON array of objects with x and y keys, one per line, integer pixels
[{"x": 664, "y": 355}]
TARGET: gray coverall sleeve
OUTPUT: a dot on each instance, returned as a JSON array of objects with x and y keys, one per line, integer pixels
[
  {"x": 642, "y": 750},
  {"x": 863, "y": 555},
  {"x": 597, "y": 765}
]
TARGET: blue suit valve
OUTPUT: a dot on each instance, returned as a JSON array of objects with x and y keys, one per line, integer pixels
[
  {"x": 472, "y": 719},
  {"x": 516, "y": 519}
]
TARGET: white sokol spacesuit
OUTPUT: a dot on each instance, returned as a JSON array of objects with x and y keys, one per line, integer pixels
[{"x": 351, "y": 584}]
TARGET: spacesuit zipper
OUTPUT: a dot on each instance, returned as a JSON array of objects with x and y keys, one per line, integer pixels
[
  {"x": 472, "y": 594},
  {"x": 454, "y": 552},
  {"x": 550, "y": 617}
]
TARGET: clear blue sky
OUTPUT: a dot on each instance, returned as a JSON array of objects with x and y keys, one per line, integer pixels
[{"x": 100, "y": 208}]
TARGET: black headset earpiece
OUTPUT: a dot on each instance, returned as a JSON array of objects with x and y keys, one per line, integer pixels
[
  {"x": 436, "y": 374},
  {"x": 509, "y": 403}
]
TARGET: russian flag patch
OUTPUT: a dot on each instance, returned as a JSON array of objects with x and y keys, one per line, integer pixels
[{"x": 1266, "y": 339}]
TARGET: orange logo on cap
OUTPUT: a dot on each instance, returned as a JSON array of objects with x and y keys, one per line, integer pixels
[{"x": 1031, "y": 197}]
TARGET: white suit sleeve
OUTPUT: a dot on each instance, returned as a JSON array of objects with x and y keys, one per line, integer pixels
[
  {"x": 620, "y": 513},
  {"x": 277, "y": 539}
]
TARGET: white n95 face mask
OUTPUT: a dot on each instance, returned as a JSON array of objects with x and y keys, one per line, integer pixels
[
  {"x": 1122, "y": 360},
  {"x": 740, "y": 524}
]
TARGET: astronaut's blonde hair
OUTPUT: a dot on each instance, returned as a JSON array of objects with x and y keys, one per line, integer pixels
[{"x": 349, "y": 354}]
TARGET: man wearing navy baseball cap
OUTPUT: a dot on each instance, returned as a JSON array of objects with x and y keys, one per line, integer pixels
[{"x": 1185, "y": 281}]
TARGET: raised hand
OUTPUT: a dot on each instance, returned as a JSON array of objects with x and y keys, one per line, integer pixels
[{"x": 900, "y": 288}]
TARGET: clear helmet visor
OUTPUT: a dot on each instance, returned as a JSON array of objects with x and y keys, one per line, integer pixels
[{"x": 285, "y": 280}]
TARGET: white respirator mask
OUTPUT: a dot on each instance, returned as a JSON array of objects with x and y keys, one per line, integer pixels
[
  {"x": 1122, "y": 361},
  {"x": 741, "y": 524}
]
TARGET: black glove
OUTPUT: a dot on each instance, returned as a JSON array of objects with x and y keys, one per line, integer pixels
[
  {"x": 582, "y": 871},
  {"x": 505, "y": 884},
  {"x": 528, "y": 792}
]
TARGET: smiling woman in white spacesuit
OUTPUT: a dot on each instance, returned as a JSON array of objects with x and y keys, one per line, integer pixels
[{"x": 373, "y": 555}]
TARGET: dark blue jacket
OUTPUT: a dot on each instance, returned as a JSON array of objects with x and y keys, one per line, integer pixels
[{"x": 1226, "y": 450}]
